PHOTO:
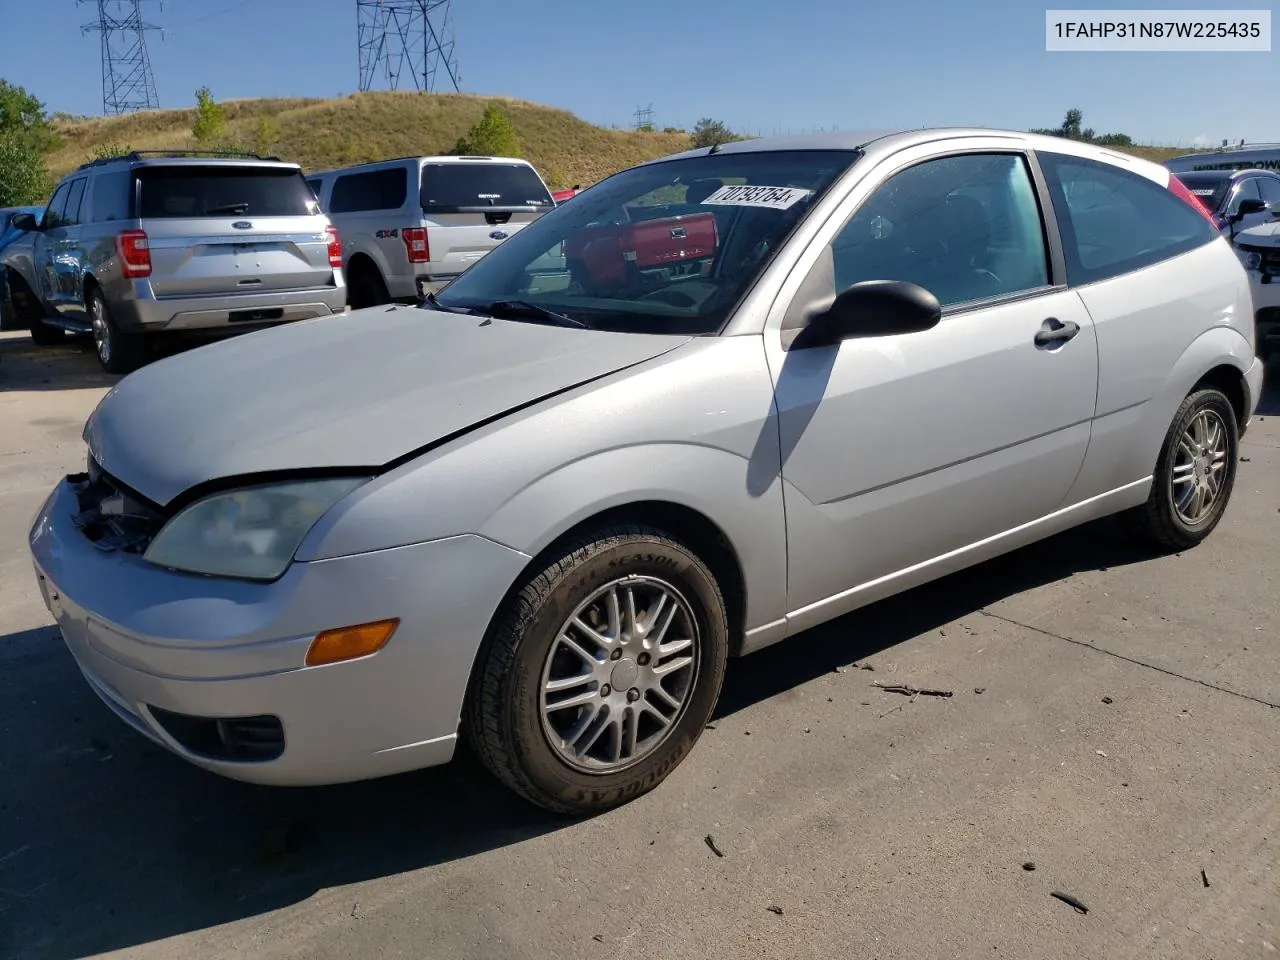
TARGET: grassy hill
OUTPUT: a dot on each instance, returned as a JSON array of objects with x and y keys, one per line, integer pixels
[{"x": 321, "y": 134}]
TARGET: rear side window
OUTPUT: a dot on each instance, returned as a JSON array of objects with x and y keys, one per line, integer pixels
[
  {"x": 1113, "y": 221},
  {"x": 1209, "y": 188},
  {"x": 222, "y": 191},
  {"x": 1270, "y": 189},
  {"x": 375, "y": 190},
  {"x": 110, "y": 198},
  {"x": 463, "y": 186}
]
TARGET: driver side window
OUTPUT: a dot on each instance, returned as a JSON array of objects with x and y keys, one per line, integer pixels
[{"x": 965, "y": 228}]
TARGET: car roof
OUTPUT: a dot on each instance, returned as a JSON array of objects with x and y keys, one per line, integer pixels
[
  {"x": 890, "y": 141},
  {"x": 138, "y": 160},
  {"x": 374, "y": 164}
]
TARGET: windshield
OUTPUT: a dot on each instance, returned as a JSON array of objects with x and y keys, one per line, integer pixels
[
  {"x": 665, "y": 248},
  {"x": 1209, "y": 188},
  {"x": 466, "y": 185}
]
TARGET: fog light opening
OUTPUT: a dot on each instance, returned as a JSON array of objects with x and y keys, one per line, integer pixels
[{"x": 350, "y": 643}]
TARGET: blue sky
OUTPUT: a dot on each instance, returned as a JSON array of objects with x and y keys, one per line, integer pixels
[{"x": 760, "y": 65}]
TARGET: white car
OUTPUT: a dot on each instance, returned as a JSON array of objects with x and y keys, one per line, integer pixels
[
  {"x": 1259, "y": 249},
  {"x": 415, "y": 224}
]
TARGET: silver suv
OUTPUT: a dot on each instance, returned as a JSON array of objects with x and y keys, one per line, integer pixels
[
  {"x": 144, "y": 244},
  {"x": 410, "y": 226}
]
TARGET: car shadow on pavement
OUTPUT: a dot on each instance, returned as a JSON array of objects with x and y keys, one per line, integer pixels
[
  {"x": 108, "y": 842},
  {"x": 71, "y": 365},
  {"x": 1269, "y": 402}
]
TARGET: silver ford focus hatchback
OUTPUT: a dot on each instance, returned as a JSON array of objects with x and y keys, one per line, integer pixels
[{"x": 712, "y": 402}]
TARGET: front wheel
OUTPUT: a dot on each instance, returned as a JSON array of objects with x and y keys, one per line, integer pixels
[
  {"x": 1194, "y": 475},
  {"x": 601, "y": 673}
]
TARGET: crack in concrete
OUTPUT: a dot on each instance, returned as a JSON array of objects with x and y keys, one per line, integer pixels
[{"x": 1137, "y": 663}]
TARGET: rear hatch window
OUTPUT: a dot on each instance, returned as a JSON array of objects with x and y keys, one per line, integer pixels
[
  {"x": 479, "y": 187},
  {"x": 189, "y": 192}
]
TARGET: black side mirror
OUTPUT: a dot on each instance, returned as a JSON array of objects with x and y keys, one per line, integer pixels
[
  {"x": 26, "y": 222},
  {"x": 1248, "y": 208},
  {"x": 873, "y": 308}
]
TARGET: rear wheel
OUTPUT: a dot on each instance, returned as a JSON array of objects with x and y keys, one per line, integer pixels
[
  {"x": 601, "y": 673},
  {"x": 365, "y": 286},
  {"x": 118, "y": 351},
  {"x": 1194, "y": 475}
]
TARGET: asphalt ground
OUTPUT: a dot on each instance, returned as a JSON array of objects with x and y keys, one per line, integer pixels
[{"x": 1115, "y": 723}]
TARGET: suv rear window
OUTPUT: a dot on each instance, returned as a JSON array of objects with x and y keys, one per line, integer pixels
[
  {"x": 468, "y": 186},
  {"x": 223, "y": 191},
  {"x": 1209, "y": 188}
]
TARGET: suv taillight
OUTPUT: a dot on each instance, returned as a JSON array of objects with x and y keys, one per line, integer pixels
[
  {"x": 1180, "y": 189},
  {"x": 135, "y": 254},
  {"x": 335, "y": 247},
  {"x": 415, "y": 242}
]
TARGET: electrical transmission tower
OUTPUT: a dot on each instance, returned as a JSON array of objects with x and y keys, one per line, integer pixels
[
  {"x": 395, "y": 35},
  {"x": 644, "y": 117},
  {"x": 127, "y": 81}
]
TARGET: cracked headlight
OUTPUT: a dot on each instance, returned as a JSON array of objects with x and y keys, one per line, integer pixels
[{"x": 251, "y": 533}]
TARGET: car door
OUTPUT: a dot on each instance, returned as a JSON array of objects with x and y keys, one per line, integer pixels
[
  {"x": 68, "y": 255},
  {"x": 45, "y": 247},
  {"x": 900, "y": 452}
]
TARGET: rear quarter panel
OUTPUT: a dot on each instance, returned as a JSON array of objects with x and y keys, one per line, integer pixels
[{"x": 1159, "y": 331}]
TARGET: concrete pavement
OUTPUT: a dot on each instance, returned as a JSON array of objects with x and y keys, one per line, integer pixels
[{"x": 1115, "y": 722}]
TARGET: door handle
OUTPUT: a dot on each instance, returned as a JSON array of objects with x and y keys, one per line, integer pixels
[{"x": 1054, "y": 331}]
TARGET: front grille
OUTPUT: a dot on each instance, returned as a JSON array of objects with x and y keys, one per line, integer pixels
[
  {"x": 112, "y": 517},
  {"x": 238, "y": 739}
]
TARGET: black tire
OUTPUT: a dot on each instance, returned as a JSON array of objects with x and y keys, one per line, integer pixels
[
  {"x": 1158, "y": 521},
  {"x": 119, "y": 351},
  {"x": 365, "y": 287},
  {"x": 503, "y": 716}
]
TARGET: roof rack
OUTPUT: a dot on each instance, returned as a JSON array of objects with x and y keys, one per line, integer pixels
[{"x": 178, "y": 154}]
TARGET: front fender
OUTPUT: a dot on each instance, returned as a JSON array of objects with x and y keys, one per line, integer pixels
[{"x": 709, "y": 481}]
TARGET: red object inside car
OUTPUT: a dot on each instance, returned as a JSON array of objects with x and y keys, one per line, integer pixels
[{"x": 607, "y": 253}]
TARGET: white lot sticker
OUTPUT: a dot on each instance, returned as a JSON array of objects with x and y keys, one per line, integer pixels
[
  {"x": 776, "y": 198},
  {"x": 1202, "y": 193}
]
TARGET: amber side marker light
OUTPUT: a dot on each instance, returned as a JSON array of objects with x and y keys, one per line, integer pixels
[{"x": 350, "y": 643}]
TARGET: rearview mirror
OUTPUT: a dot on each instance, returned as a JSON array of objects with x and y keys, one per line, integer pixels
[
  {"x": 873, "y": 308},
  {"x": 26, "y": 222}
]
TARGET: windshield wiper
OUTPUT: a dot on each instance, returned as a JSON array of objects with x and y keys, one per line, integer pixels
[
  {"x": 236, "y": 208},
  {"x": 524, "y": 310}
]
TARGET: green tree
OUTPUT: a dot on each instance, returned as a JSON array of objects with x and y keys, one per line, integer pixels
[
  {"x": 709, "y": 133},
  {"x": 493, "y": 136},
  {"x": 211, "y": 118},
  {"x": 22, "y": 116},
  {"x": 1071, "y": 124},
  {"x": 105, "y": 151},
  {"x": 24, "y": 179},
  {"x": 265, "y": 135}
]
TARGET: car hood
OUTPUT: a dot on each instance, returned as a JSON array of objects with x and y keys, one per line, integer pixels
[
  {"x": 1263, "y": 235},
  {"x": 356, "y": 391}
]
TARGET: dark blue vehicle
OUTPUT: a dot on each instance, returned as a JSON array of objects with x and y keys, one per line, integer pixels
[
  {"x": 7, "y": 235},
  {"x": 1222, "y": 191}
]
